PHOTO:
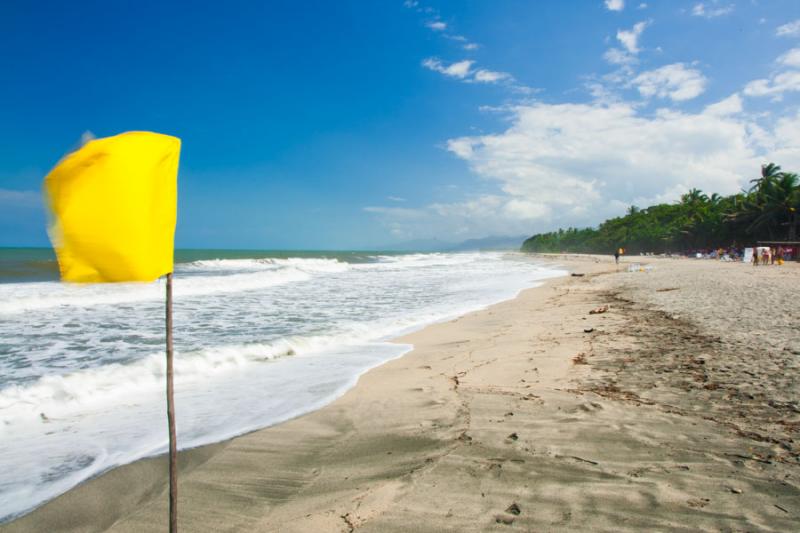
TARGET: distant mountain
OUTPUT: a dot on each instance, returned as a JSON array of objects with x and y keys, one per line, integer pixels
[{"x": 490, "y": 244}]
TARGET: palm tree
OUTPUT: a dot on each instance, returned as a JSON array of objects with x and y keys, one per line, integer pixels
[
  {"x": 694, "y": 204},
  {"x": 694, "y": 197},
  {"x": 777, "y": 198},
  {"x": 788, "y": 199},
  {"x": 770, "y": 170}
]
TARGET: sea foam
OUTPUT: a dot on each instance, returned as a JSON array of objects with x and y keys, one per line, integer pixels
[{"x": 258, "y": 341}]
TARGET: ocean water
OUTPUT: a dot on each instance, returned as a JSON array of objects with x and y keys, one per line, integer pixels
[{"x": 260, "y": 337}]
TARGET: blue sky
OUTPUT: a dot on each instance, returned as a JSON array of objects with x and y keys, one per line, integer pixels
[{"x": 343, "y": 124}]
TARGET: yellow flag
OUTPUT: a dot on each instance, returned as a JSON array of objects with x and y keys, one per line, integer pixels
[{"x": 114, "y": 207}]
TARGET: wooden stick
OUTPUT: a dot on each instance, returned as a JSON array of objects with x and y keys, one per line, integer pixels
[{"x": 173, "y": 449}]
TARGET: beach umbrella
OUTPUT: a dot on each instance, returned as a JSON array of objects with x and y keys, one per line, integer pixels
[{"x": 113, "y": 208}]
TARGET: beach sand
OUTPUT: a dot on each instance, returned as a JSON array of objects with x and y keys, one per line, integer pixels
[{"x": 677, "y": 409}]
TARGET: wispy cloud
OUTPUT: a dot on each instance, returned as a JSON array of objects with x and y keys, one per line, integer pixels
[
  {"x": 615, "y": 56},
  {"x": 615, "y": 5},
  {"x": 726, "y": 107},
  {"x": 774, "y": 86},
  {"x": 395, "y": 199},
  {"x": 676, "y": 82},
  {"x": 14, "y": 198},
  {"x": 790, "y": 58},
  {"x": 459, "y": 69},
  {"x": 790, "y": 29},
  {"x": 463, "y": 70},
  {"x": 711, "y": 9},
  {"x": 778, "y": 83},
  {"x": 490, "y": 76},
  {"x": 436, "y": 25},
  {"x": 630, "y": 38},
  {"x": 398, "y": 212}
]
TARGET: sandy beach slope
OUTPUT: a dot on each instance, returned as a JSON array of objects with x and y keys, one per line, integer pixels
[{"x": 678, "y": 409}]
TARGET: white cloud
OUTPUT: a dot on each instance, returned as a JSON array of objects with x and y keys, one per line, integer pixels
[
  {"x": 600, "y": 93},
  {"x": 490, "y": 76},
  {"x": 577, "y": 164},
  {"x": 780, "y": 82},
  {"x": 14, "y": 198},
  {"x": 436, "y": 25},
  {"x": 789, "y": 29},
  {"x": 410, "y": 3},
  {"x": 615, "y": 56},
  {"x": 728, "y": 106},
  {"x": 404, "y": 213},
  {"x": 775, "y": 86},
  {"x": 475, "y": 216},
  {"x": 642, "y": 6},
  {"x": 675, "y": 81},
  {"x": 463, "y": 70},
  {"x": 784, "y": 142},
  {"x": 459, "y": 69},
  {"x": 790, "y": 58},
  {"x": 630, "y": 38},
  {"x": 568, "y": 155},
  {"x": 711, "y": 9},
  {"x": 471, "y": 46},
  {"x": 395, "y": 199},
  {"x": 615, "y": 5}
]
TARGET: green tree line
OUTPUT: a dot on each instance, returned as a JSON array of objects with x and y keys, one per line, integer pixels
[{"x": 767, "y": 211}]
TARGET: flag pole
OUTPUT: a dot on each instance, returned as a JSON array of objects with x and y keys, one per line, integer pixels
[{"x": 173, "y": 451}]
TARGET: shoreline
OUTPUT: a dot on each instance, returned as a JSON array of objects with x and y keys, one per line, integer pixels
[
  {"x": 513, "y": 405},
  {"x": 197, "y": 455}
]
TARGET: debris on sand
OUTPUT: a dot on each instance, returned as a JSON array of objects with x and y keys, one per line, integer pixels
[
  {"x": 464, "y": 437},
  {"x": 698, "y": 503},
  {"x": 599, "y": 310},
  {"x": 580, "y": 359}
]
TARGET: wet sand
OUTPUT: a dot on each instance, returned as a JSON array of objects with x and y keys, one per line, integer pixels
[{"x": 676, "y": 409}]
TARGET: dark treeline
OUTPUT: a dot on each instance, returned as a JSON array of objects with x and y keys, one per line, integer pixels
[{"x": 767, "y": 211}]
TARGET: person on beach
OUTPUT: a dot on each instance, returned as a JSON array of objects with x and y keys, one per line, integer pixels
[
  {"x": 755, "y": 257},
  {"x": 616, "y": 255},
  {"x": 765, "y": 257}
]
